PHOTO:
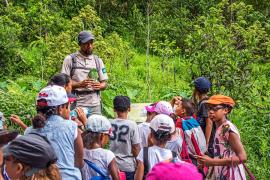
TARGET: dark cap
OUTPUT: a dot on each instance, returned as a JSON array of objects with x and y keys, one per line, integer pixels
[
  {"x": 32, "y": 149},
  {"x": 85, "y": 36},
  {"x": 202, "y": 84},
  {"x": 6, "y": 136},
  {"x": 121, "y": 103}
]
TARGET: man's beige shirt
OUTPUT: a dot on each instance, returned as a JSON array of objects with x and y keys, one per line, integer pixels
[{"x": 88, "y": 63}]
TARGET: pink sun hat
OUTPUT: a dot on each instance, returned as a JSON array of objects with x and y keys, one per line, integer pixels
[
  {"x": 175, "y": 171},
  {"x": 161, "y": 107}
]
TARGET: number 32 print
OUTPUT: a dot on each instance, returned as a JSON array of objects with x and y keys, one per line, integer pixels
[{"x": 119, "y": 133}]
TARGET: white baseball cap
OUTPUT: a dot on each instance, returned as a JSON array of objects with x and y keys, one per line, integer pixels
[
  {"x": 53, "y": 95},
  {"x": 98, "y": 123},
  {"x": 162, "y": 122}
]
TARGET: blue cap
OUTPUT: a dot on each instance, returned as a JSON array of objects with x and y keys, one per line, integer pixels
[
  {"x": 85, "y": 36},
  {"x": 202, "y": 84}
]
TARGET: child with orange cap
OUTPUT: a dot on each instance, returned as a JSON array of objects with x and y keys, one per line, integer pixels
[{"x": 229, "y": 153}]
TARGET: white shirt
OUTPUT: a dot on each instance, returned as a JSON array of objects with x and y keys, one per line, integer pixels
[
  {"x": 155, "y": 155},
  {"x": 175, "y": 144},
  {"x": 144, "y": 130},
  {"x": 101, "y": 157}
]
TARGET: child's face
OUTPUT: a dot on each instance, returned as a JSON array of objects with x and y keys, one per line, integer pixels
[
  {"x": 105, "y": 139},
  {"x": 179, "y": 110},
  {"x": 14, "y": 169},
  {"x": 150, "y": 116},
  {"x": 216, "y": 112},
  {"x": 65, "y": 111}
]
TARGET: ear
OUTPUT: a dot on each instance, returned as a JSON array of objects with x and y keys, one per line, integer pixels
[
  {"x": 19, "y": 168},
  {"x": 60, "y": 110},
  {"x": 226, "y": 110},
  {"x": 184, "y": 111},
  {"x": 129, "y": 109}
]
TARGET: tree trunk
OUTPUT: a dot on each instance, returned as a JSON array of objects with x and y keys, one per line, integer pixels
[{"x": 6, "y": 1}]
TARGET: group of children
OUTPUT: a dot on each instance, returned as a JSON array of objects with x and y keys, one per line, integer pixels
[{"x": 180, "y": 139}]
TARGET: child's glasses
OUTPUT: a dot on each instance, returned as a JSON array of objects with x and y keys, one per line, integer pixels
[{"x": 214, "y": 108}]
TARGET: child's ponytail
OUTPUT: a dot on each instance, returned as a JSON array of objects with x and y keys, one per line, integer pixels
[
  {"x": 52, "y": 172},
  {"x": 43, "y": 113},
  {"x": 48, "y": 173},
  {"x": 39, "y": 121}
]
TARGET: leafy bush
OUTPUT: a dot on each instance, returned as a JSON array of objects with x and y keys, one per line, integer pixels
[{"x": 18, "y": 97}]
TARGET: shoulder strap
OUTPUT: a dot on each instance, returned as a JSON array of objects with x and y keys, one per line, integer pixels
[
  {"x": 201, "y": 103},
  {"x": 73, "y": 65},
  {"x": 145, "y": 160},
  {"x": 98, "y": 68},
  {"x": 184, "y": 153},
  {"x": 97, "y": 62},
  {"x": 174, "y": 154},
  {"x": 252, "y": 177},
  {"x": 97, "y": 169}
]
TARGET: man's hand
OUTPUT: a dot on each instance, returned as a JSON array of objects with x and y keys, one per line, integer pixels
[
  {"x": 96, "y": 85},
  {"x": 85, "y": 83}
]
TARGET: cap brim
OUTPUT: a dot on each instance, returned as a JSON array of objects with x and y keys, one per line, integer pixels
[
  {"x": 87, "y": 39},
  {"x": 71, "y": 97},
  {"x": 6, "y": 136},
  {"x": 6, "y": 151}
]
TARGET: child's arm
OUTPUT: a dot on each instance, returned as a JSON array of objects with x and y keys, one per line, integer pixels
[
  {"x": 113, "y": 169},
  {"x": 81, "y": 116},
  {"x": 237, "y": 147},
  {"x": 16, "y": 119},
  {"x": 208, "y": 130},
  {"x": 78, "y": 147},
  {"x": 135, "y": 149},
  {"x": 139, "y": 171}
]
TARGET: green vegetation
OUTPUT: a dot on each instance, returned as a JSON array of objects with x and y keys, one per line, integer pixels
[{"x": 227, "y": 41}]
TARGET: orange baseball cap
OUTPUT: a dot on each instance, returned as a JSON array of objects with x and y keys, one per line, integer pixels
[{"x": 221, "y": 99}]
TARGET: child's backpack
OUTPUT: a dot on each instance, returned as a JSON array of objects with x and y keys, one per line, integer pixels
[
  {"x": 201, "y": 120},
  {"x": 194, "y": 136},
  {"x": 103, "y": 175},
  {"x": 194, "y": 139}
]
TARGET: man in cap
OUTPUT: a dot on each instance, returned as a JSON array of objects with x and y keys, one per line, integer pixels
[{"x": 87, "y": 72}]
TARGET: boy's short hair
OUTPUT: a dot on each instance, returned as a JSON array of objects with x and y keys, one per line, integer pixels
[{"x": 121, "y": 103}]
